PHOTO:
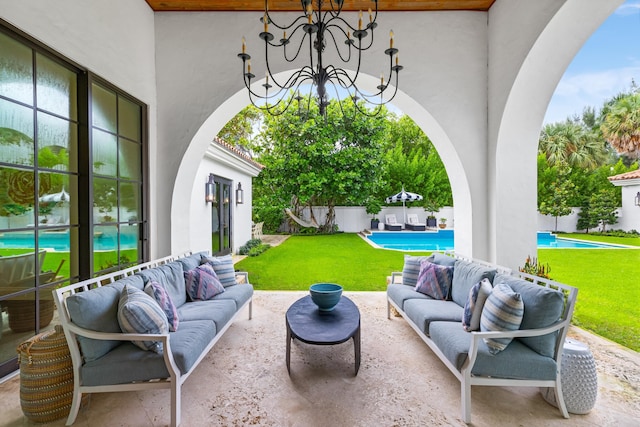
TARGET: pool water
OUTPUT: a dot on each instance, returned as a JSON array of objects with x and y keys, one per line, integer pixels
[
  {"x": 106, "y": 240},
  {"x": 442, "y": 240}
]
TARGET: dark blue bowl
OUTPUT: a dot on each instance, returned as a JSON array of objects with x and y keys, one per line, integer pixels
[{"x": 325, "y": 295}]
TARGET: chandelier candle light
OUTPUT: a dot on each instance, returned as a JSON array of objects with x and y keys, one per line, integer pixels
[{"x": 320, "y": 27}]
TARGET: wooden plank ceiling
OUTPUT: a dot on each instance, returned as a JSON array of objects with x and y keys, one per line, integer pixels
[{"x": 294, "y": 5}]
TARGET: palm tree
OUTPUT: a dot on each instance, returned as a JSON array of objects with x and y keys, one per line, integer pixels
[
  {"x": 621, "y": 125},
  {"x": 572, "y": 143}
]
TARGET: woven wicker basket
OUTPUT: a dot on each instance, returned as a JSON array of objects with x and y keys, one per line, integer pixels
[{"x": 46, "y": 376}]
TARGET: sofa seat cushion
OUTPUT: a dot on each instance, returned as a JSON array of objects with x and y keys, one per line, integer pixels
[
  {"x": 171, "y": 275},
  {"x": 399, "y": 294},
  {"x": 218, "y": 311},
  {"x": 424, "y": 311},
  {"x": 97, "y": 310},
  {"x": 517, "y": 361},
  {"x": 127, "y": 363},
  {"x": 465, "y": 275},
  {"x": 542, "y": 307},
  {"x": 240, "y": 294}
]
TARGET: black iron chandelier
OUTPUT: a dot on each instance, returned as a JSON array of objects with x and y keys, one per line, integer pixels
[{"x": 319, "y": 28}]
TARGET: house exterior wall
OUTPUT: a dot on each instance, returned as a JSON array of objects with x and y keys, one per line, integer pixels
[
  {"x": 114, "y": 39},
  {"x": 200, "y": 215},
  {"x": 629, "y": 214}
]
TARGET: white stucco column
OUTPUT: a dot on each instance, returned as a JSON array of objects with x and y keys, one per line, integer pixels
[{"x": 530, "y": 46}]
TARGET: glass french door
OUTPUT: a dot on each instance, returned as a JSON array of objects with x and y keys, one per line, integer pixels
[{"x": 221, "y": 217}]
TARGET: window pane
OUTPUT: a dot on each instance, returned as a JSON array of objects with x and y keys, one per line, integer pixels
[
  {"x": 128, "y": 119},
  {"x": 57, "y": 143},
  {"x": 16, "y": 70},
  {"x": 17, "y": 198},
  {"x": 103, "y": 108},
  {"x": 54, "y": 206},
  {"x": 129, "y": 244},
  {"x": 16, "y": 133},
  {"x": 105, "y": 247},
  {"x": 105, "y": 152},
  {"x": 129, "y": 160},
  {"x": 105, "y": 199},
  {"x": 56, "y": 88},
  {"x": 129, "y": 202}
]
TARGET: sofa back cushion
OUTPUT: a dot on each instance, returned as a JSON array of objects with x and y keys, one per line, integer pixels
[
  {"x": 223, "y": 266},
  {"x": 171, "y": 276},
  {"x": 542, "y": 307},
  {"x": 192, "y": 261},
  {"x": 442, "y": 259},
  {"x": 97, "y": 310},
  {"x": 465, "y": 275}
]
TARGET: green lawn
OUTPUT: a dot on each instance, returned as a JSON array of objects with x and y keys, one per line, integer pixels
[
  {"x": 608, "y": 283},
  {"x": 606, "y": 278},
  {"x": 340, "y": 258}
]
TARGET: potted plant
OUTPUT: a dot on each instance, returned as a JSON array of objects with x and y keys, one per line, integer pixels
[
  {"x": 443, "y": 223},
  {"x": 373, "y": 208},
  {"x": 431, "y": 206}
]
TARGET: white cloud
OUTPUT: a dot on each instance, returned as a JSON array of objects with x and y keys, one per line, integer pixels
[
  {"x": 628, "y": 8},
  {"x": 576, "y": 92}
]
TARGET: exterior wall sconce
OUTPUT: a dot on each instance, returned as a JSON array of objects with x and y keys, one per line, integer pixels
[
  {"x": 240, "y": 195},
  {"x": 638, "y": 199},
  {"x": 210, "y": 190}
]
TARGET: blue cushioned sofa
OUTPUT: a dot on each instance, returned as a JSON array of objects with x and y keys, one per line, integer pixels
[
  {"x": 531, "y": 359},
  {"x": 105, "y": 359}
]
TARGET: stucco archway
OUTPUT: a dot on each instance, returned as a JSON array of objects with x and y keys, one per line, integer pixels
[{"x": 185, "y": 205}]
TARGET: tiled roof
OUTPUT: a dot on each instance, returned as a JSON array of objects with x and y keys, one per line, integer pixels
[
  {"x": 237, "y": 152},
  {"x": 627, "y": 175}
]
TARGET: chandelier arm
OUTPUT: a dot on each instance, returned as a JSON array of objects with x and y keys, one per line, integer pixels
[
  {"x": 284, "y": 45},
  {"x": 335, "y": 43},
  {"x": 300, "y": 75}
]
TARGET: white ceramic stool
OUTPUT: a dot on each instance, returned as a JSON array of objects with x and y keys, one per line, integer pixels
[{"x": 578, "y": 377}]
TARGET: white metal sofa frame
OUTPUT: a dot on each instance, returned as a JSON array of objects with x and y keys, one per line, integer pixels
[
  {"x": 464, "y": 375},
  {"x": 175, "y": 380}
]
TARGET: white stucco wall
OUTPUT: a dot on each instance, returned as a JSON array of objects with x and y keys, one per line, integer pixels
[
  {"x": 200, "y": 214},
  {"x": 530, "y": 46},
  {"x": 629, "y": 214},
  {"x": 113, "y": 39},
  {"x": 197, "y": 75}
]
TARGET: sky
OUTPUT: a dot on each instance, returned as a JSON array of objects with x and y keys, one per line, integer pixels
[{"x": 605, "y": 66}]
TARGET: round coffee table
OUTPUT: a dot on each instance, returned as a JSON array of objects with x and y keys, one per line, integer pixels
[{"x": 312, "y": 326}]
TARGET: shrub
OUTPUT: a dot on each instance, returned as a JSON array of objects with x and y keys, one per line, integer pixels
[
  {"x": 244, "y": 250},
  {"x": 257, "y": 250}
]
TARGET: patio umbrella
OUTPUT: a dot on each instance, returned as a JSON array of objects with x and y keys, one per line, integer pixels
[
  {"x": 62, "y": 196},
  {"x": 403, "y": 196}
]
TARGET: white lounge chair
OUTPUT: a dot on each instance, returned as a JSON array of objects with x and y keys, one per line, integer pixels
[
  {"x": 414, "y": 224},
  {"x": 391, "y": 224}
]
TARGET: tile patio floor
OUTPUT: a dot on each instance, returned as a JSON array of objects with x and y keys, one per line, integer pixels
[{"x": 244, "y": 382}]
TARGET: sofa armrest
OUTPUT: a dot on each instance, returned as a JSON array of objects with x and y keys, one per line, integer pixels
[
  {"x": 396, "y": 278},
  {"x": 242, "y": 277},
  {"x": 116, "y": 336},
  {"x": 520, "y": 333}
]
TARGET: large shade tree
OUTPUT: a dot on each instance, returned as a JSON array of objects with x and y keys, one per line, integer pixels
[{"x": 320, "y": 161}]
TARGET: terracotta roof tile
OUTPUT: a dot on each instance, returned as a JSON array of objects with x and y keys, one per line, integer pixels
[
  {"x": 627, "y": 175},
  {"x": 236, "y": 151}
]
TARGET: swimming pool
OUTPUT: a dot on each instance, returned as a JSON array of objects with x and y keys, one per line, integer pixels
[{"x": 442, "y": 240}]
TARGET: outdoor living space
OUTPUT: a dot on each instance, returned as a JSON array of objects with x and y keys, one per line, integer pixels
[{"x": 244, "y": 381}]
